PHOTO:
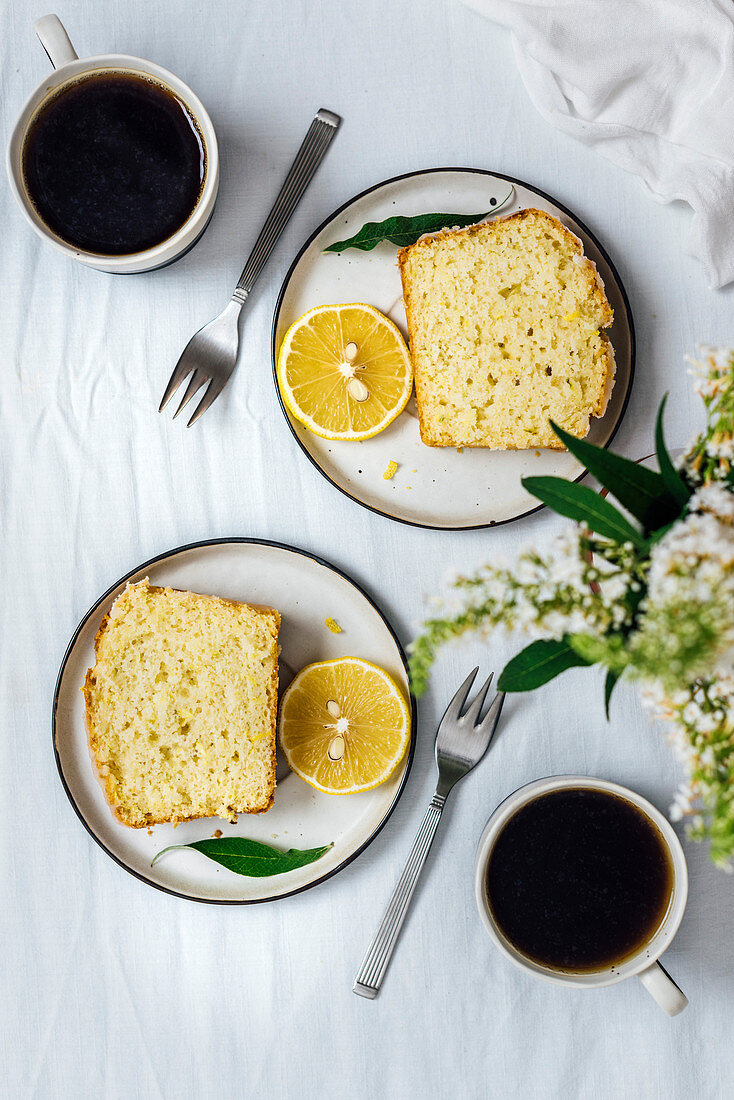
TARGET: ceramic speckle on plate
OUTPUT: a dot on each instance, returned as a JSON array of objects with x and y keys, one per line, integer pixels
[
  {"x": 306, "y": 591},
  {"x": 436, "y": 487}
]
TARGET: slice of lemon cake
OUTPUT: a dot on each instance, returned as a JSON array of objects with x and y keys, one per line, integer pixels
[
  {"x": 181, "y": 705},
  {"x": 505, "y": 323}
]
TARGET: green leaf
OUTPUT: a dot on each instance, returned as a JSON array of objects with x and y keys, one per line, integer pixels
[
  {"x": 674, "y": 483},
  {"x": 537, "y": 664},
  {"x": 641, "y": 491},
  {"x": 249, "y": 857},
  {"x": 581, "y": 503},
  {"x": 403, "y": 231},
  {"x": 609, "y": 685}
]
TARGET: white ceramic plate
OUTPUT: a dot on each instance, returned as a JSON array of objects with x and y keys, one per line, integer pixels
[
  {"x": 305, "y": 590},
  {"x": 435, "y": 486}
]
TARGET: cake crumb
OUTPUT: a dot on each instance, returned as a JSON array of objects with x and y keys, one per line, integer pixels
[
  {"x": 332, "y": 625},
  {"x": 216, "y": 834},
  {"x": 390, "y": 470}
]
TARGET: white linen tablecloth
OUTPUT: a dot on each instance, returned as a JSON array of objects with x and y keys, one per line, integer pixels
[{"x": 110, "y": 989}]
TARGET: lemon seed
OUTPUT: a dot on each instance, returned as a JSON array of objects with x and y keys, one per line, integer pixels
[
  {"x": 357, "y": 389},
  {"x": 336, "y": 747}
]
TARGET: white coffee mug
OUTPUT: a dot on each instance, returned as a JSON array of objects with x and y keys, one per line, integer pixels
[
  {"x": 644, "y": 962},
  {"x": 68, "y": 68}
]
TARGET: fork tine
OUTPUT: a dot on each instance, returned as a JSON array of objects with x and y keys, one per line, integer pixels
[
  {"x": 211, "y": 393},
  {"x": 492, "y": 717},
  {"x": 178, "y": 374},
  {"x": 453, "y": 710},
  {"x": 196, "y": 381},
  {"x": 472, "y": 715}
]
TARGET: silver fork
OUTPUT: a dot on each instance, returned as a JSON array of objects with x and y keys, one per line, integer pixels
[
  {"x": 461, "y": 742},
  {"x": 212, "y": 352}
]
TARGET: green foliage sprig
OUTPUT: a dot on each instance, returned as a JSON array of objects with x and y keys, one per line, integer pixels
[
  {"x": 643, "y": 585},
  {"x": 651, "y": 499}
]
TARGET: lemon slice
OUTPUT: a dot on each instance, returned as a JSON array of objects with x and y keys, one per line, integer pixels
[
  {"x": 344, "y": 371},
  {"x": 344, "y": 725}
]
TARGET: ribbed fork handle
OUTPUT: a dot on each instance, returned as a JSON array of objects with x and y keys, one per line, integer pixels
[
  {"x": 375, "y": 963},
  {"x": 309, "y": 157}
]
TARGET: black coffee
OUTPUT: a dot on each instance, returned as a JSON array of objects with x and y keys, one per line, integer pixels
[
  {"x": 579, "y": 879},
  {"x": 114, "y": 163}
]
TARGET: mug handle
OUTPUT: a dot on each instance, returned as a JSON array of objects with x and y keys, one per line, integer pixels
[
  {"x": 55, "y": 41},
  {"x": 659, "y": 984}
]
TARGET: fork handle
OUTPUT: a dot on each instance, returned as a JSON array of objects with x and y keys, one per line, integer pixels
[
  {"x": 308, "y": 158},
  {"x": 375, "y": 963}
]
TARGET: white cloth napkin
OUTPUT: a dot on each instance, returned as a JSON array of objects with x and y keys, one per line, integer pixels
[{"x": 650, "y": 84}]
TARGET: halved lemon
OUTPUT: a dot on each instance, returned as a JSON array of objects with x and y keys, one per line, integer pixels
[
  {"x": 344, "y": 725},
  {"x": 344, "y": 371}
]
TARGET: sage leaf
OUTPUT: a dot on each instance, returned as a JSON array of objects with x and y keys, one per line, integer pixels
[
  {"x": 641, "y": 491},
  {"x": 537, "y": 664},
  {"x": 609, "y": 685},
  {"x": 402, "y": 231},
  {"x": 250, "y": 857},
  {"x": 674, "y": 483},
  {"x": 581, "y": 503}
]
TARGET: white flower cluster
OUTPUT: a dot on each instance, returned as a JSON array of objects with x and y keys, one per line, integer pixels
[
  {"x": 696, "y": 712},
  {"x": 711, "y": 370},
  {"x": 689, "y": 606},
  {"x": 714, "y": 381},
  {"x": 715, "y": 499},
  {"x": 721, "y": 447},
  {"x": 693, "y": 567},
  {"x": 700, "y": 721},
  {"x": 559, "y": 590},
  {"x": 693, "y": 561}
]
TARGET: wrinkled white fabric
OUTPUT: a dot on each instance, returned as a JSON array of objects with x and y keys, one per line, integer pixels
[
  {"x": 110, "y": 990},
  {"x": 650, "y": 85}
]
